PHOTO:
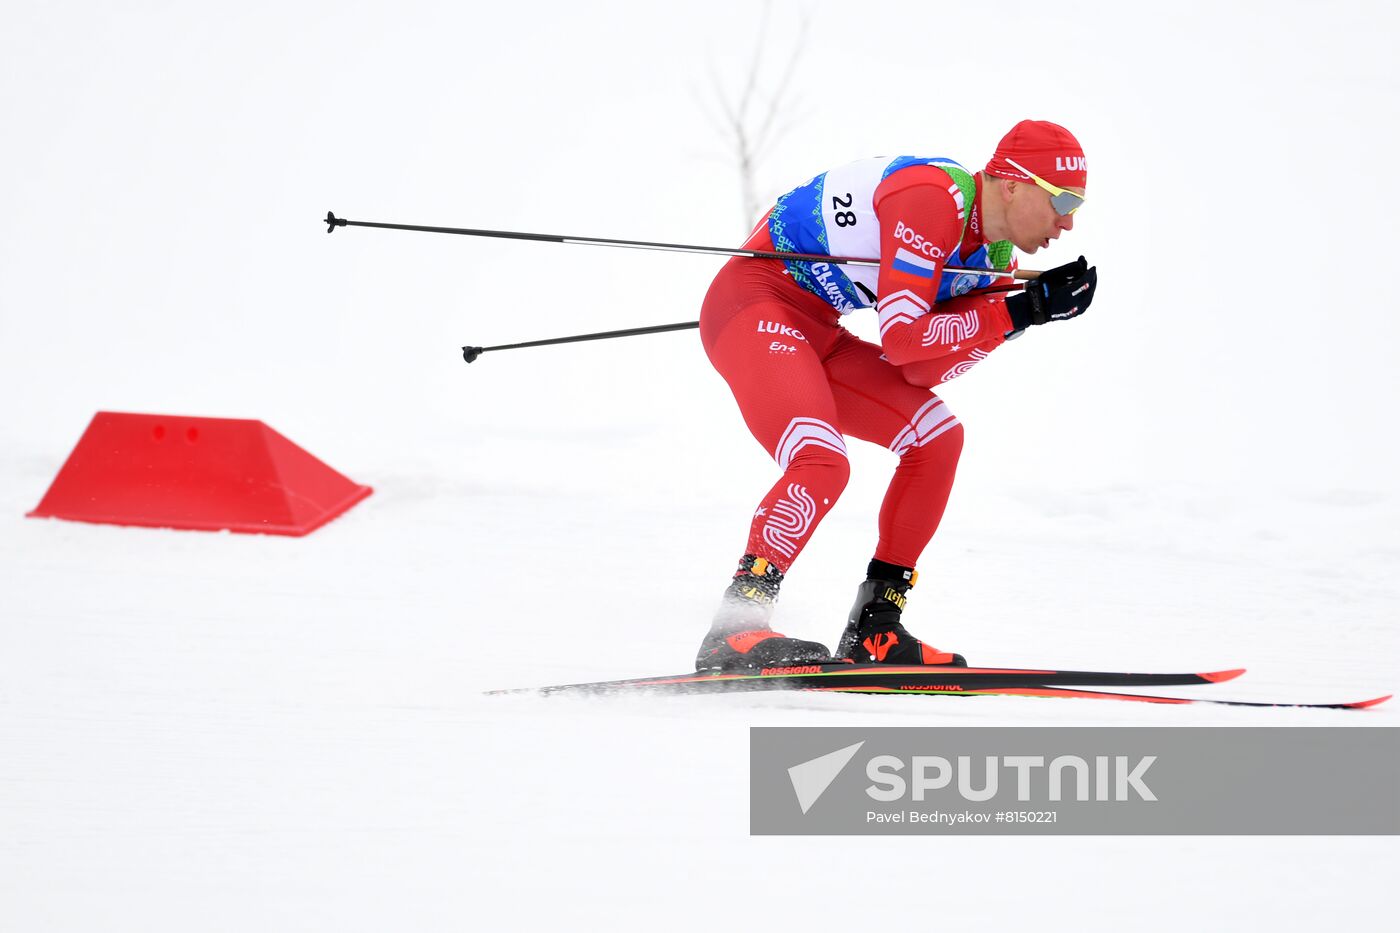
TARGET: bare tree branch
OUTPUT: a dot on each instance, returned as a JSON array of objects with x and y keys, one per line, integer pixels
[
  {"x": 746, "y": 138},
  {"x": 784, "y": 85}
]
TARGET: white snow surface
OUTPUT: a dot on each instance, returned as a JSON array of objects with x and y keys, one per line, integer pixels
[{"x": 229, "y": 732}]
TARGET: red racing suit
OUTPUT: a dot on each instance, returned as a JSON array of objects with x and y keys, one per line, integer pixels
[{"x": 804, "y": 383}]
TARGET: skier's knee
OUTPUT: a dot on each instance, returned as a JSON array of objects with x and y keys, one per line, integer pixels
[
  {"x": 815, "y": 448},
  {"x": 953, "y": 441},
  {"x": 822, "y": 468},
  {"x": 934, "y": 432}
]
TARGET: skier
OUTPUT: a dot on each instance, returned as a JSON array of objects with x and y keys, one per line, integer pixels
[{"x": 803, "y": 382}]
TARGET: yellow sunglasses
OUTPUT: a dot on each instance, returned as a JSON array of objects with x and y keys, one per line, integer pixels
[{"x": 1064, "y": 202}]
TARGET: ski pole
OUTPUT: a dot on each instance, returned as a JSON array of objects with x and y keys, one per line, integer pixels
[
  {"x": 471, "y": 353},
  {"x": 333, "y": 221}
]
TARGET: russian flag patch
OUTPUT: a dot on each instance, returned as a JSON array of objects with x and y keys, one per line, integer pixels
[{"x": 913, "y": 264}]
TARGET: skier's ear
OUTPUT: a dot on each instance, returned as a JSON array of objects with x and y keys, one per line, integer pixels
[{"x": 1004, "y": 187}]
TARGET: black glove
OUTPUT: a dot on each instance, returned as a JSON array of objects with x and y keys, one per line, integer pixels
[{"x": 1057, "y": 295}]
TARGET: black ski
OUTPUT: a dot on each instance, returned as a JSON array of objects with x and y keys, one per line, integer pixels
[
  {"x": 1071, "y": 693},
  {"x": 887, "y": 678},
  {"x": 929, "y": 681}
]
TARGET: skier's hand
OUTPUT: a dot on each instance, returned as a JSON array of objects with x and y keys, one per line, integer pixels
[
  {"x": 1058, "y": 294},
  {"x": 1060, "y": 276}
]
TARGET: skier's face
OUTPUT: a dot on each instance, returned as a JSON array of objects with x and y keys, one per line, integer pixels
[{"x": 1031, "y": 220}]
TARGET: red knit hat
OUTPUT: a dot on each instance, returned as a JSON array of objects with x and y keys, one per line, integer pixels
[{"x": 1046, "y": 149}]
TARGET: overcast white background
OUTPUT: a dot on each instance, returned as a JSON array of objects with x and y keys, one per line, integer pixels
[{"x": 1198, "y": 472}]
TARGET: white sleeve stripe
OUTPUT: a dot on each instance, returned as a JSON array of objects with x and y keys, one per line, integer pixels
[
  {"x": 903, "y": 294},
  {"x": 888, "y": 320},
  {"x": 900, "y": 308}
]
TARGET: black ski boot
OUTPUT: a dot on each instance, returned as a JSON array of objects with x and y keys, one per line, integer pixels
[
  {"x": 874, "y": 633},
  {"x": 739, "y": 637}
]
